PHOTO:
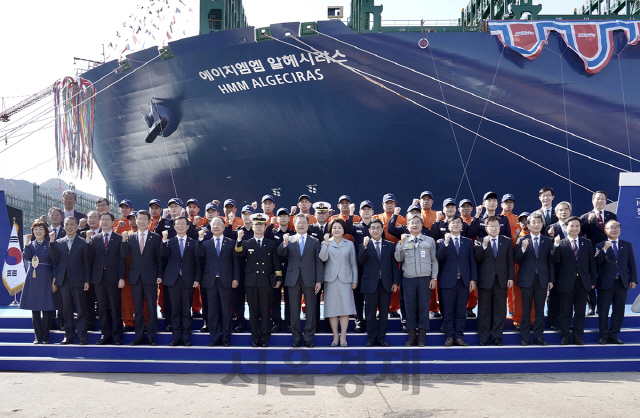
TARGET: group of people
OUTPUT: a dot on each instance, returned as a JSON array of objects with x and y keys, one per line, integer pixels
[{"x": 367, "y": 266}]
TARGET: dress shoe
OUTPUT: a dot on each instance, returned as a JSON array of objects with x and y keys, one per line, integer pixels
[
  {"x": 554, "y": 327},
  {"x": 239, "y": 328},
  {"x": 497, "y": 341},
  {"x": 103, "y": 341},
  {"x": 359, "y": 329},
  {"x": 288, "y": 329},
  {"x": 460, "y": 342},
  {"x": 411, "y": 341},
  {"x": 205, "y": 328},
  {"x": 540, "y": 341},
  {"x": 603, "y": 341},
  {"x": 66, "y": 341},
  {"x": 83, "y": 342},
  {"x": 483, "y": 343},
  {"x": 565, "y": 341},
  {"x": 187, "y": 343},
  {"x": 370, "y": 343},
  {"x": 591, "y": 311},
  {"x": 442, "y": 329},
  {"x": 578, "y": 341},
  {"x": 524, "y": 342},
  {"x": 437, "y": 315},
  {"x": 168, "y": 328},
  {"x": 470, "y": 313},
  {"x": 152, "y": 342},
  {"x": 404, "y": 328},
  {"x": 214, "y": 344},
  {"x": 448, "y": 342},
  {"x": 128, "y": 328},
  {"x": 276, "y": 328},
  {"x": 383, "y": 343},
  {"x": 296, "y": 343},
  {"x": 615, "y": 340},
  {"x": 137, "y": 342},
  {"x": 118, "y": 342},
  {"x": 255, "y": 344},
  {"x": 264, "y": 344},
  {"x": 36, "y": 341},
  {"x": 197, "y": 314},
  {"x": 175, "y": 343},
  {"x": 394, "y": 315},
  {"x": 517, "y": 327},
  {"x": 309, "y": 344},
  {"x": 44, "y": 342}
]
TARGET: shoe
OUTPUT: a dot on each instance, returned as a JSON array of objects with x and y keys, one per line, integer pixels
[
  {"x": 36, "y": 341},
  {"x": 214, "y": 344},
  {"x": 175, "y": 343},
  {"x": 264, "y": 344},
  {"x": 239, "y": 328},
  {"x": 578, "y": 341},
  {"x": 137, "y": 342},
  {"x": 394, "y": 315},
  {"x": 441, "y": 329},
  {"x": 288, "y": 329},
  {"x": 554, "y": 327},
  {"x": 448, "y": 342},
  {"x": 255, "y": 344},
  {"x": 66, "y": 341},
  {"x": 309, "y": 344},
  {"x": 152, "y": 343},
  {"x": 127, "y": 328},
  {"x": 226, "y": 344},
  {"x": 411, "y": 341},
  {"x": 404, "y": 328},
  {"x": 383, "y": 343},
  {"x": 370, "y": 343},
  {"x": 422, "y": 333},
  {"x": 103, "y": 341},
  {"x": 540, "y": 341},
  {"x": 344, "y": 344},
  {"x": 524, "y": 342},
  {"x": 565, "y": 341},
  {"x": 483, "y": 343},
  {"x": 615, "y": 340},
  {"x": 591, "y": 312},
  {"x": 204, "y": 328},
  {"x": 437, "y": 315},
  {"x": 470, "y": 313},
  {"x": 197, "y": 314},
  {"x": 44, "y": 342},
  {"x": 83, "y": 342},
  {"x": 296, "y": 343},
  {"x": 276, "y": 328},
  {"x": 497, "y": 341},
  {"x": 460, "y": 342},
  {"x": 603, "y": 341},
  {"x": 335, "y": 344},
  {"x": 359, "y": 329},
  {"x": 168, "y": 328},
  {"x": 118, "y": 342},
  {"x": 517, "y": 327},
  {"x": 61, "y": 327}
]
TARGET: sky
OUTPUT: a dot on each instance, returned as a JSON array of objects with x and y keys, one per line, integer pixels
[{"x": 41, "y": 39}]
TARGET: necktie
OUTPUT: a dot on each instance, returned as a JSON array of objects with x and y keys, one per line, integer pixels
[
  {"x": 547, "y": 216},
  {"x": 106, "y": 242},
  {"x": 575, "y": 248},
  {"x": 301, "y": 245},
  {"x": 70, "y": 244},
  {"x": 181, "y": 247},
  {"x": 495, "y": 247},
  {"x": 457, "y": 244},
  {"x": 378, "y": 248},
  {"x": 615, "y": 248},
  {"x": 36, "y": 244},
  {"x": 218, "y": 246},
  {"x": 535, "y": 246},
  {"x": 600, "y": 221},
  {"x": 259, "y": 243},
  {"x": 141, "y": 243}
]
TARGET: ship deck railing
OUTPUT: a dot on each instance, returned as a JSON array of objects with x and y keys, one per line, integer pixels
[{"x": 427, "y": 23}]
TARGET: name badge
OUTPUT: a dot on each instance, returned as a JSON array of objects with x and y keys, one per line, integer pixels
[
  {"x": 250, "y": 250},
  {"x": 423, "y": 253}
]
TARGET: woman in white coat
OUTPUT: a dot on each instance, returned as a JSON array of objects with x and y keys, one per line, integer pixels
[{"x": 340, "y": 278}]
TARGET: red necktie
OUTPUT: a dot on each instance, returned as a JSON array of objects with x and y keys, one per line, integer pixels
[{"x": 600, "y": 221}]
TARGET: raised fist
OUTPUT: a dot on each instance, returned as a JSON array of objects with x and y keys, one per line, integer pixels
[
  {"x": 439, "y": 216},
  {"x": 525, "y": 244},
  {"x": 556, "y": 240},
  {"x": 479, "y": 209},
  {"x": 82, "y": 223},
  {"x": 331, "y": 212},
  {"x": 240, "y": 234},
  {"x": 273, "y": 220},
  {"x": 592, "y": 216},
  {"x": 416, "y": 202},
  {"x": 366, "y": 241},
  {"x": 403, "y": 238},
  {"x": 254, "y": 205},
  {"x": 165, "y": 213},
  {"x": 518, "y": 231},
  {"x": 183, "y": 212},
  {"x": 352, "y": 208},
  {"x": 28, "y": 238},
  {"x": 89, "y": 235},
  {"x": 285, "y": 238},
  {"x": 165, "y": 235},
  {"x": 43, "y": 219},
  {"x": 326, "y": 238},
  {"x": 485, "y": 241},
  {"x": 200, "y": 233},
  {"x": 397, "y": 210},
  {"x": 52, "y": 236},
  {"x": 217, "y": 202},
  {"x": 293, "y": 210},
  {"x": 447, "y": 237},
  {"x": 122, "y": 224},
  {"x": 196, "y": 219},
  {"x": 231, "y": 217},
  {"x": 125, "y": 234},
  {"x": 551, "y": 232},
  {"x": 607, "y": 245}
]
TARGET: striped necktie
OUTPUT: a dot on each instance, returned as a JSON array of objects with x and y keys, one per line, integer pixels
[{"x": 575, "y": 248}]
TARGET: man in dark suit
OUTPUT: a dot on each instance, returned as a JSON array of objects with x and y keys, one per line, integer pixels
[
  {"x": 56, "y": 217},
  {"x": 563, "y": 212},
  {"x": 380, "y": 277},
  {"x": 220, "y": 277},
  {"x": 107, "y": 277},
  {"x": 494, "y": 255},
  {"x": 182, "y": 275},
  {"x": 534, "y": 253},
  {"x": 458, "y": 276},
  {"x": 262, "y": 274},
  {"x": 575, "y": 277},
  {"x": 305, "y": 274},
  {"x": 592, "y": 228},
  {"x": 318, "y": 230},
  {"x": 72, "y": 278},
  {"x": 145, "y": 274},
  {"x": 616, "y": 274},
  {"x": 69, "y": 199},
  {"x": 546, "y": 196},
  {"x": 275, "y": 235}
]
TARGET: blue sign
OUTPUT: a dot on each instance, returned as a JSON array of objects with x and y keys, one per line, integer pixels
[{"x": 629, "y": 217}]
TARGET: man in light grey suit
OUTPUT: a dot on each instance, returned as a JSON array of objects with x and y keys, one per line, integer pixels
[{"x": 305, "y": 273}]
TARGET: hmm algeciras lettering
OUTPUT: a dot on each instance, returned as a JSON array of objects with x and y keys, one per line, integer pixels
[{"x": 272, "y": 80}]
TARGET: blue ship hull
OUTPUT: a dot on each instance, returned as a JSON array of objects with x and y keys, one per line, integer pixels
[{"x": 341, "y": 134}]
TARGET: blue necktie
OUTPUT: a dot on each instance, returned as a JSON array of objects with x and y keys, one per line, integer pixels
[
  {"x": 457, "y": 244},
  {"x": 535, "y": 246},
  {"x": 495, "y": 248},
  {"x": 615, "y": 253},
  {"x": 181, "y": 247},
  {"x": 378, "y": 248},
  {"x": 70, "y": 244},
  {"x": 547, "y": 216},
  {"x": 218, "y": 246},
  {"x": 301, "y": 245}
]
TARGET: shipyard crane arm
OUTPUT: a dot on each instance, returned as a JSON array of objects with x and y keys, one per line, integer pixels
[{"x": 6, "y": 114}]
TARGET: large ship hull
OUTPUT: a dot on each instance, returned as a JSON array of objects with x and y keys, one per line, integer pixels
[{"x": 342, "y": 134}]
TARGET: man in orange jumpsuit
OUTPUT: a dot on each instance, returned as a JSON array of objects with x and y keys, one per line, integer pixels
[
  {"x": 508, "y": 202},
  {"x": 466, "y": 207},
  {"x": 122, "y": 224},
  {"x": 304, "y": 203},
  {"x": 389, "y": 207},
  {"x": 428, "y": 214},
  {"x": 346, "y": 210},
  {"x": 230, "y": 209},
  {"x": 155, "y": 209}
]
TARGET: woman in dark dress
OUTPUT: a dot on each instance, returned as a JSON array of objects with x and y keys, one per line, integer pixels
[{"x": 37, "y": 293}]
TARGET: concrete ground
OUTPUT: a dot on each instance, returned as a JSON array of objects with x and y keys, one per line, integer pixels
[{"x": 141, "y": 395}]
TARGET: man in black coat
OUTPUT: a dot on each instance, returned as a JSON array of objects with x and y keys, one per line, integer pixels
[
  {"x": 534, "y": 253},
  {"x": 575, "y": 277},
  {"x": 380, "y": 277},
  {"x": 220, "y": 277},
  {"x": 108, "y": 272},
  {"x": 494, "y": 255},
  {"x": 72, "y": 278},
  {"x": 182, "y": 275},
  {"x": 261, "y": 275},
  {"x": 145, "y": 274},
  {"x": 616, "y": 274}
]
